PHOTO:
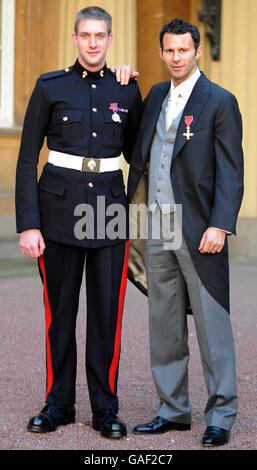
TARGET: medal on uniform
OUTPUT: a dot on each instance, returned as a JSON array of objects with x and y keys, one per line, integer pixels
[
  {"x": 114, "y": 107},
  {"x": 116, "y": 117},
  {"x": 188, "y": 121}
]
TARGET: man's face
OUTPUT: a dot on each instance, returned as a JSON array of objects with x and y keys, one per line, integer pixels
[
  {"x": 179, "y": 56},
  {"x": 92, "y": 40}
]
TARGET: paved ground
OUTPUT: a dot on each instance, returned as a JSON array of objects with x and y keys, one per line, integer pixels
[{"x": 22, "y": 370}]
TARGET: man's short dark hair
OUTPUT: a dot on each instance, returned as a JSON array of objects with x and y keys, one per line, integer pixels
[
  {"x": 180, "y": 26},
  {"x": 93, "y": 13}
]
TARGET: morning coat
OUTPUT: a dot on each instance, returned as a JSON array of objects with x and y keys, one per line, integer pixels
[{"x": 206, "y": 176}]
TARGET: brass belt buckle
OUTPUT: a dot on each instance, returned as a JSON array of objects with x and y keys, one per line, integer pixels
[{"x": 91, "y": 164}]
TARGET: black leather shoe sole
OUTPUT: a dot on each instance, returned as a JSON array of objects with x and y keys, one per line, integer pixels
[
  {"x": 110, "y": 434},
  {"x": 173, "y": 427},
  {"x": 43, "y": 429},
  {"x": 215, "y": 445}
]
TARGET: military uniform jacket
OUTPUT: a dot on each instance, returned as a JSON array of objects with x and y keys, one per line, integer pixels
[
  {"x": 206, "y": 174},
  {"x": 71, "y": 109}
]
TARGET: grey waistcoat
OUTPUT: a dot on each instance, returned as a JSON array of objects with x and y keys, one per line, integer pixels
[{"x": 160, "y": 190}]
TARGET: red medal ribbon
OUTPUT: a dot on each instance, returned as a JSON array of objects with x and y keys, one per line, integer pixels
[
  {"x": 188, "y": 120},
  {"x": 113, "y": 107}
]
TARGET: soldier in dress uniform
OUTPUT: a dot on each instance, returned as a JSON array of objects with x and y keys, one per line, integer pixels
[{"x": 89, "y": 119}]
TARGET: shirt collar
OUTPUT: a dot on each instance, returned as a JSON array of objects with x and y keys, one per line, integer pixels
[{"x": 185, "y": 88}]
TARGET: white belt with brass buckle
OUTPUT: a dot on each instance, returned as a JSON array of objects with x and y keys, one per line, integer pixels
[{"x": 95, "y": 165}]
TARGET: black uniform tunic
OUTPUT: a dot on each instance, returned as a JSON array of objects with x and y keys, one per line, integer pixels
[{"x": 71, "y": 108}]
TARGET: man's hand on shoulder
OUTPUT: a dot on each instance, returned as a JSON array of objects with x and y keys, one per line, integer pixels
[
  {"x": 32, "y": 243},
  {"x": 212, "y": 241},
  {"x": 124, "y": 73}
]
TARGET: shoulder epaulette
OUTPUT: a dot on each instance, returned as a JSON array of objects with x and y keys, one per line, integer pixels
[{"x": 57, "y": 73}]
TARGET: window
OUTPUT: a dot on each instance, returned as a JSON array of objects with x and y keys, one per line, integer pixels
[{"x": 7, "y": 28}]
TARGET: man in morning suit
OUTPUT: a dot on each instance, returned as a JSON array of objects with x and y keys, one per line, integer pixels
[
  {"x": 88, "y": 119},
  {"x": 189, "y": 141}
]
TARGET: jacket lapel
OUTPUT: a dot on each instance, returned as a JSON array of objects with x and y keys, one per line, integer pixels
[
  {"x": 193, "y": 108},
  {"x": 154, "y": 105}
]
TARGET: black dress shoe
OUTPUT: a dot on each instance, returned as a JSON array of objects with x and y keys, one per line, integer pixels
[
  {"x": 215, "y": 436},
  {"x": 160, "y": 426},
  {"x": 109, "y": 424},
  {"x": 50, "y": 417}
]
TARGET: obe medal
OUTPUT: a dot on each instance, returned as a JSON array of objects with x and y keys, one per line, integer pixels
[{"x": 188, "y": 121}]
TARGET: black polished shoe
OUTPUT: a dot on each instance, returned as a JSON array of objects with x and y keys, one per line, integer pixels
[
  {"x": 109, "y": 424},
  {"x": 215, "y": 436},
  {"x": 160, "y": 426},
  {"x": 50, "y": 417}
]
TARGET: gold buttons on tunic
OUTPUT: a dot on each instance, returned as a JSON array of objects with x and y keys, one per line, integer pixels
[
  {"x": 84, "y": 74},
  {"x": 94, "y": 134},
  {"x": 65, "y": 118},
  {"x": 90, "y": 185},
  {"x": 94, "y": 110},
  {"x": 94, "y": 85}
]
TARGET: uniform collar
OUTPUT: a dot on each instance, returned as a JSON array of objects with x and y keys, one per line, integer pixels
[{"x": 87, "y": 74}]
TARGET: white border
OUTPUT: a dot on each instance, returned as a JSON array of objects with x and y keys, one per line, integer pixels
[{"x": 7, "y": 71}]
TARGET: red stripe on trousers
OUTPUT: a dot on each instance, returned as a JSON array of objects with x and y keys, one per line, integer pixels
[
  {"x": 48, "y": 319},
  {"x": 115, "y": 359}
]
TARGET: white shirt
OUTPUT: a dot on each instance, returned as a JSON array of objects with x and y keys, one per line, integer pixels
[{"x": 184, "y": 91}]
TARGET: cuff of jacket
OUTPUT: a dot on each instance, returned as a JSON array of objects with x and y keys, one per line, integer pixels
[
  {"x": 28, "y": 221},
  {"x": 222, "y": 230}
]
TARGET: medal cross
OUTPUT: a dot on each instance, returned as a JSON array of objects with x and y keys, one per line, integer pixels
[{"x": 188, "y": 134}]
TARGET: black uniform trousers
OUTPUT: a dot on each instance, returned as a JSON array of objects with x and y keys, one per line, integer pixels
[{"x": 61, "y": 268}]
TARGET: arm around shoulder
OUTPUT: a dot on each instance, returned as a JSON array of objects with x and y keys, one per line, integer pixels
[{"x": 133, "y": 123}]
